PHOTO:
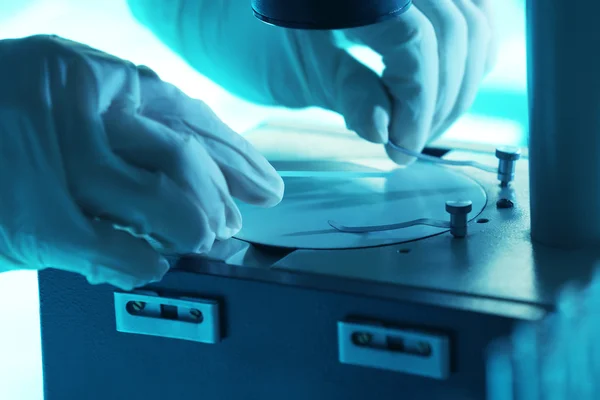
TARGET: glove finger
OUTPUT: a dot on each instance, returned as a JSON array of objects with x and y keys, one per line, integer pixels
[
  {"x": 487, "y": 8},
  {"x": 50, "y": 230},
  {"x": 479, "y": 40},
  {"x": 150, "y": 203},
  {"x": 451, "y": 33},
  {"x": 101, "y": 183},
  {"x": 408, "y": 47},
  {"x": 104, "y": 255},
  {"x": 249, "y": 175},
  {"x": 147, "y": 144},
  {"x": 338, "y": 82}
]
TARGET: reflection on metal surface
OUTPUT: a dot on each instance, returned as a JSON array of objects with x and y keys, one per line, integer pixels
[
  {"x": 334, "y": 174},
  {"x": 389, "y": 227},
  {"x": 458, "y": 210},
  {"x": 437, "y": 160},
  {"x": 349, "y": 199}
]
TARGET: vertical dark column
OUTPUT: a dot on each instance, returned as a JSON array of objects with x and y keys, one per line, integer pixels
[{"x": 564, "y": 101}]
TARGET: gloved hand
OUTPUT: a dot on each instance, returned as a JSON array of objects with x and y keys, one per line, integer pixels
[
  {"x": 435, "y": 57},
  {"x": 96, "y": 156}
]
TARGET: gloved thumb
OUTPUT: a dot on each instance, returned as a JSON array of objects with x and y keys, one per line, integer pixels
[
  {"x": 346, "y": 86},
  {"x": 104, "y": 254}
]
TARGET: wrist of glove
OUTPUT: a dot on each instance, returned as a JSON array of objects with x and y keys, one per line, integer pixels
[
  {"x": 435, "y": 57},
  {"x": 99, "y": 159}
]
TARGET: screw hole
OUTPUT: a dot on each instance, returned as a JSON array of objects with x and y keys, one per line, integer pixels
[
  {"x": 361, "y": 338},
  {"x": 404, "y": 251},
  {"x": 135, "y": 307},
  {"x": 483, "y": 221},
  {"x": 197, "y": 315}
]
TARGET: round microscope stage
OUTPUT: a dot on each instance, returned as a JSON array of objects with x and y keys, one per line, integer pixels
[{"x": 354, "y": 198}]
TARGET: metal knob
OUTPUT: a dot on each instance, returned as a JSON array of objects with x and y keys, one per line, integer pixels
[
  {"x": 459, "y": 212},
  {"x": 507, "y": 158}
]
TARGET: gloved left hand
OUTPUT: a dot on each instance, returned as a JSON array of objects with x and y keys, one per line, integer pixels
[
  {"x": 91, "y": 145},
  {"x": 435, "y": 56}
]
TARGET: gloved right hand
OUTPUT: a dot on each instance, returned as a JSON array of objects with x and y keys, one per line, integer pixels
[
  {"x": 93, "y": 148},
  {"x": 435, "y": 57}
]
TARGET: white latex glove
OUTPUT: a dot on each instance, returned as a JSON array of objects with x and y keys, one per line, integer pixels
[
  {"x": 435, "y": 57},
  {"x": 89, "y": 142}
]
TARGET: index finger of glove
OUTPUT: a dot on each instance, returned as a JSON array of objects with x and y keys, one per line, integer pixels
[
  {"x": 249, "y": 175},
  {"x": 408, "y": 47}
]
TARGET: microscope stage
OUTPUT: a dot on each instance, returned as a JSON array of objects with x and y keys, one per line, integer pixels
[
  {"x": 494, "y": 269},
  {"x": 280, "y": 320},
  {"x": 363, "y": 197}
]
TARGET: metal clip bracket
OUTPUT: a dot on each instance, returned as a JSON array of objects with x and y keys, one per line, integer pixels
[
  {"x": 147, "y": 313},
  {"x": 393, "y": 349}
]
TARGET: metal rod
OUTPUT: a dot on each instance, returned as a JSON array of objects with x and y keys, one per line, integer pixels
[{"x": 564, "y": 138}]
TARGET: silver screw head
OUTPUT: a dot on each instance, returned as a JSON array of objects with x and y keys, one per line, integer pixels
[
  {"x": 508, "y": 153},
  {"x": 196, "y": 314},
  {"x": 458, "y": 207}
]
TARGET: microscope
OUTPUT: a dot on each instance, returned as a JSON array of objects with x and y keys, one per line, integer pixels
[
  {"x": 408, "y": 320},
  {"x": 564, "y": 97}
]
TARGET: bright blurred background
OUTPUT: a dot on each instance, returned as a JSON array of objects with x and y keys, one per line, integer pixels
[{"x": 499, "y": 116}]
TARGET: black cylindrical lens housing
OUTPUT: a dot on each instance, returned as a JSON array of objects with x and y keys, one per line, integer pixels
[{"x": 327, "y": 14}]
